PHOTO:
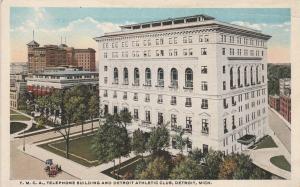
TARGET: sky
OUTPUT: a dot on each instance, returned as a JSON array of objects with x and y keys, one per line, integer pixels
[{"x": 80, "y": 25}]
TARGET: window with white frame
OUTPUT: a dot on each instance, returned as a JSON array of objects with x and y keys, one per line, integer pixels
[
  {"x": 204, "y": 86},
  {"x": 204, "y": 104},
  {"x": 173, "y": 100},
  {"x": 203, "y": 51}
]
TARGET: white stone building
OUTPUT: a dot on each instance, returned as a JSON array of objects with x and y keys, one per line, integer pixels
[{"x": 205, "y": 76}]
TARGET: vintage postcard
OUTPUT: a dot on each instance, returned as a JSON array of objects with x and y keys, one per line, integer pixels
[{"x": 139, "y": 93}]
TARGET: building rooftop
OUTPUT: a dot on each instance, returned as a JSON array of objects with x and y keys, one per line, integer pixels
[
  {"x": 33, "y": 43},
  {"x": 182, "y": 23}
]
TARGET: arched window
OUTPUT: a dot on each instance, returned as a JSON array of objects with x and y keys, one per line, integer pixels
[
  {"x": 160, "y": 77},
  {"x": 257, "y": 81},
  {"x": 136, "y": 77},
  {"x": 239, "y": 76},
  {"x": 251, "y": 75},
  {"x": 189, "y": 78},
  {"x": 116, "y": 76},
  {"x": 125, "y": 76},
  {"x": 231, "y": 78},
  {"x": 148, "y": 77},
  {"x": 174, "y": 77},
  {"x": 245, "y": 76}
]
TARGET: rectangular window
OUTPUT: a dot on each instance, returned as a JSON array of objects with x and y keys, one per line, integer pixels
[
  {"x": 160, "y": 118},
  {"x": 173, "y": 120},
  {"x": 204, "y": 86},
  {"x": 224, "y": 69},
  {"x": 201, "y": 38},
  {"x": 147, "y": 116},
  {"x": 206, "y": 38},
  {"x": 160, "y": 99},
  {"x": 223, "y": 51},
  {"x": 204, "y": 104},
  {"x": 205, "y": 129},
  {"x": 185, "y": 52},
  {"x": 204, "y": 69},
  {"x": 175, "y": 52},
  {"x": 173, "y": 100},
  {"x": 170, "y": 40},
  {"x": 175, "y": 40},
  {"x": 105, "y": 55},
  {"x": 190, "y": 39},
  {"x": 224, "y": 85},
  {"x": 105, "y": 68},
  {"x": 188, "y": 102},
  {"x": 184, "y": 40},
  {"x": 135, "y": 97},
  {"x": 125, "y": 95},
  {"x": 203, "y": 51},
  {"x": 105, "y": 80},
  {"x": 105, "y": 109},
  {"x": 190, "y": 52},
  {"x": 135, "y": 114},
  {"x": 147, "y": 97},
  {"x": 225, "y": 103},
  {"x": 115, "y": 109},
  {"x": 188, "y": 122}
]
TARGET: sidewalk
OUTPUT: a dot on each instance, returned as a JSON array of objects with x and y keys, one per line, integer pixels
[
  {"x": 261, "y": 157},
  {"x": 282, "y": 118}
]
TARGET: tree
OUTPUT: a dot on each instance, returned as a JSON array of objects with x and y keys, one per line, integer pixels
[
  {"x": 227, "y": 168},
  {"x": 258, "y": 173},
  {"x": 188, "y": 169},
  {"x": 159, "y": 139},
  {"x": 26, "y": 102},
  {"x": 93, "y": 107},
  {"x": 112, "y": 141},
  {"x": 157, "y": 169},
  {"x": 125, "y": 117},
  {"x": 180, "y": 141},
  {"x": 196, "y": 155},
  {"x": 244, "y": 166},
  {"x": 213, "y": 160},
  {"x": 139, "y": 140}
]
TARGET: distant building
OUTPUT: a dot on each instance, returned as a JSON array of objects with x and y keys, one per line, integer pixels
[
  {"x": 60, "y": 78},
  {"x": 17, "y": 87},
  {"x": 85, "y": 58},
  {"x": 17, "y": 68},
  {"x": 53, "y": 56},
  {"x": 285, "y": 86},
  {"x": 285, "y": 107},
  {"x": 274, "y": 102}
]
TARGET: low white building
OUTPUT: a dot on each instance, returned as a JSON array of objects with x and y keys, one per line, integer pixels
[
  {"x": 60, "y": 78},
  {"x": 204, "y": 76}
]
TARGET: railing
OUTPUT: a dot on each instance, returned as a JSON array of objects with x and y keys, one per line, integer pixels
[
  {"x": 159, "y": 101},
  {"x": 116, "y": 81},
  {"x": 204, "y": 106},
  {"x": 205, "y": 130},
  {"x": 188, "y": 104},
  {"x": 175, "y": 128},
  {"x": 136, "y": 82},
  {"x": 173, "y": 102},
  {"x": 188, "y": 85},
  {"x": 187, "y": 130},
  {"x": 160, "y": 83},
  {"x": 135, "y": 98},
  {"x": 125, "y": 82},
  {"x": 174, "y": 84},
  {"x": 147, "y": 83}
]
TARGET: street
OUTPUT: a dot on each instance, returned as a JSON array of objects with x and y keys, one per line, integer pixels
[{"x": 280, "y": 129}]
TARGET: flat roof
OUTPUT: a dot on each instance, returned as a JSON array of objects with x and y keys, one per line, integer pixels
[{"x": 66, "y": 73}]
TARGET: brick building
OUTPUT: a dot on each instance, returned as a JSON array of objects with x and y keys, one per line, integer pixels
[
  {"x": 285, "y": 107},
  {"x": 274, "y": 102},
  {"x": 40, "y": 58}
]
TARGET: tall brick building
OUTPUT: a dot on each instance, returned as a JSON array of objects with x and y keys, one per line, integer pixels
[{"x": 53, "y": 56}]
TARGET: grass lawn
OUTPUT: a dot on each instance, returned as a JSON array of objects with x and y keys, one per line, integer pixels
[
  {"x": 16, "y": 127},
  {"x": 130, "y": 167},
  {"x": 19, "y": 117},
  {"x": 266, "y": 142},
  {"x": 13, "y": 112},
  {"x": 34, "y": 128},
  {"x": 281, "y": 162},
  {"x": 79, "y": 146}
]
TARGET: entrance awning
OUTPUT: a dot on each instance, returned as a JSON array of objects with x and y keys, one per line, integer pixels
[{"x": 246, "y": 139}]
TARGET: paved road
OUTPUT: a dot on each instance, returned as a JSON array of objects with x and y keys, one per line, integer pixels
[
  {"x": 24, "y": 166},
  {"x": 280, "y": 129}
]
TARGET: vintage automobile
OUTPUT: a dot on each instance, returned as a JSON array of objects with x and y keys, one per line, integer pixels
[{"x": 51, "y": 168}]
